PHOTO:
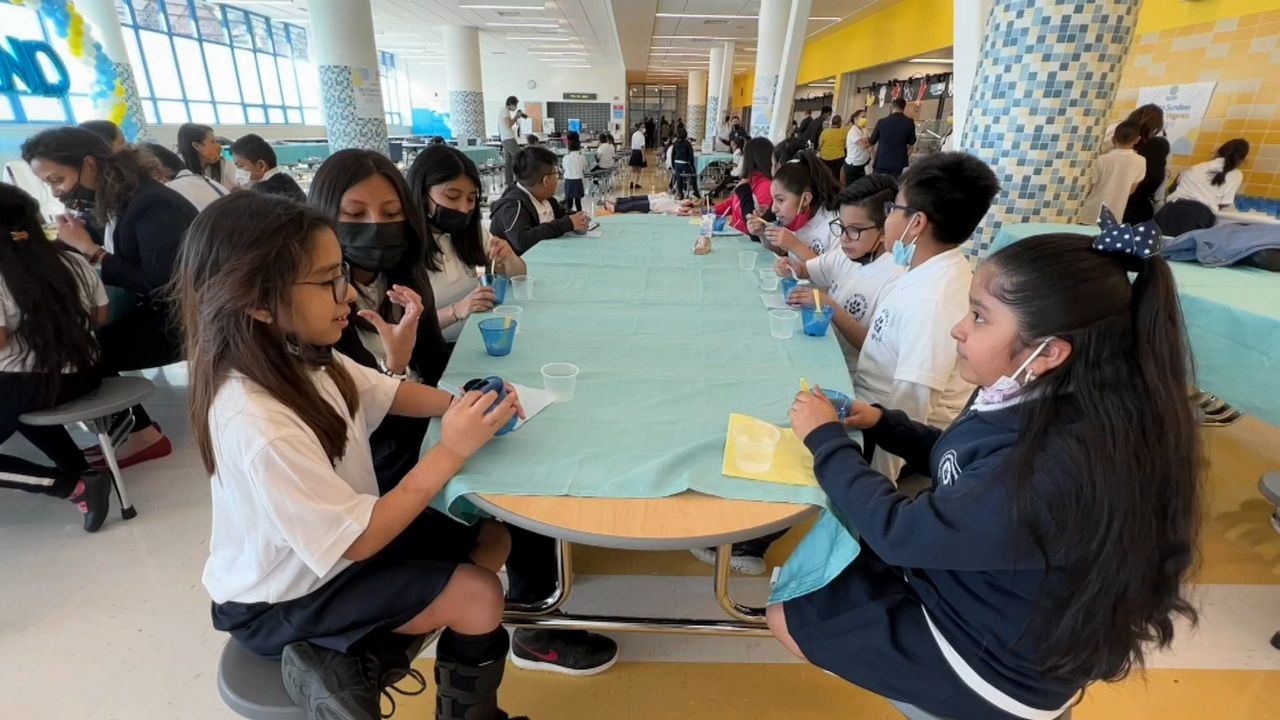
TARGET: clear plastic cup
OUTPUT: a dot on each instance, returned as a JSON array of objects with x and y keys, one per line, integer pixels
[
  {"x": 755, "y": 442},
  {"x": 747, "y": 259},
  {"x": 522, "y": 287},
  {"x": 769, "y": 283},
  {"x": 510, "y": 311},
  {"x": 782, "y": 323},
  {"x": 561, "y": 380}
]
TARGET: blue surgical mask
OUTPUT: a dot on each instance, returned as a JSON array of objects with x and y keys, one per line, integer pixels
[{"x": 902, "y": 252}]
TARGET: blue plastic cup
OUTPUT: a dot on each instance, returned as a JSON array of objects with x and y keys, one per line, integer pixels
[
  {"x": 499, "y": 283},
  {"x": 719, "y": 223},
  {"x": 788, "y": 284},
  {"x": 493, "y": 384},
  {"x": 498, "y": 339},
  {"x": 843, "y": 402},
  {"x": 815, "y": 323}
]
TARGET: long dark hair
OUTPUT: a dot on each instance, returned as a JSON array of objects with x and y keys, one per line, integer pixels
[
  {"x": 1232, "y": 152},
  {"x": 119, "y": 174},
  {"x": 757, "y": 157},
  {"x": 56, "y": 329},
  {"x": 433, "y": 166},
  {"x": 809, "y": 174},
  {"x": 352, "y": 166},
  {"x": 190, "y": 133},
  {"x": 243, "y": 253},
  {"x": 1128, "y": 515},
  {"x": 1150, "y": 119}
]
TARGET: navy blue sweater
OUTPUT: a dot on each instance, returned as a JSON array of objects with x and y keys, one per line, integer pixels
[{"x": 975, "y": 569}]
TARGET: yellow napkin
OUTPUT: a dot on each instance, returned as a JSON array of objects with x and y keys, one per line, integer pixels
[{"x": 792, "y": 461}]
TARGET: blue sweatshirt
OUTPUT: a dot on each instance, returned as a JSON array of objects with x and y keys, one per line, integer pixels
[{"x": 976, "y": 570}]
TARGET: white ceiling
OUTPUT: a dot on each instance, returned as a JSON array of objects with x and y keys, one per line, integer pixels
[{"x": 411, "y": 28}]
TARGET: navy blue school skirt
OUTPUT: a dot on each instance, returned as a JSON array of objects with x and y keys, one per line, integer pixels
[
  {"x": 574, "y": 189},
  {"x": 868, "y": 627},
  {"x": 360, "y": 607}
]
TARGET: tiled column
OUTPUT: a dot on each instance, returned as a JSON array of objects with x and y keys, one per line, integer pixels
[
  {"x": 716, "y": 68},
  {"x": 466, "y": 101},
  {"x": 342, "y": 40},
  {"x": 696, "y": 107},
  {"x": 1047, "y": 76}
]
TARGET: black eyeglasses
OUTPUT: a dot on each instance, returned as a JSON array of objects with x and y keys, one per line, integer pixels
[
  {"x": 890, "y": 206},
  {"x": 852, "y": 232},
  {"x": 339, "y": 284}
]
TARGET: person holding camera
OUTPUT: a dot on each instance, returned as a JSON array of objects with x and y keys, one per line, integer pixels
[{"x": 508, "y": 125}]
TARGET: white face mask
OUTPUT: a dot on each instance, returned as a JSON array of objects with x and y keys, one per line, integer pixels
[
  {"x": 243, "y": 178},
  {"x": 1007, "y": 387}
]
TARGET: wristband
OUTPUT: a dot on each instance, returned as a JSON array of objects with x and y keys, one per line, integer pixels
[{"x": 382, "y": 365}]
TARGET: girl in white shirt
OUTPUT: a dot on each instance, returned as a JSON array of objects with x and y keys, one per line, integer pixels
[
  {"x": 803, "y": 191},
  {"x": 201, "y": 151},
  {"x": 445, "y": 185},
  {"x": 857, "y": 278},
  {"x": 1203, "y": 190},
  {"x": 605, "y": 153},
  {"x": 50, "y": 301},
  {"x": 574, "y": 170},
  {"x": 306, "y": 559}
]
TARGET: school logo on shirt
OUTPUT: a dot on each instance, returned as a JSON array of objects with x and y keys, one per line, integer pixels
[
  {"x": 948, "y": 468},
  {"x": 878, "y": 325},
  {"x": 857, "y": 306}
]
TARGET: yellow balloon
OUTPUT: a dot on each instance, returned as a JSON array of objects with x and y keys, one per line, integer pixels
[
  {"x": 117, "y": 113},
  {"x": 119, "y": 91}
]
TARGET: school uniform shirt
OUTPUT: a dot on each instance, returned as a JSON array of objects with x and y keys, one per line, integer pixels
[
  {"x": 908, "y": 360},
  {"x": 199, "y": 190},
  {"x": 1113, "y": 177},
  {"x": 970, "y": 566},
  {"x": 93, "y": 295},
  {"x": 854, "y": 153},
  {"x": 452, "y": 282},
  {"x": 546, "y": 211},
  {"x": 282, "y": 514},
  {"x": 1197, "y": 185},
  {"x": 637, "y": 141},
  {"x": 604, "y": 155},
  {"x": 506, "y": 132},
  {"x": 369, "y": 297},
  {"x": 737, "y": 164},
  {"x": 817, "y": 234},
  {"x": 857, "y": 288},
  {"x": 574, "y": 166},
  {"x": 228, "y": 180}
]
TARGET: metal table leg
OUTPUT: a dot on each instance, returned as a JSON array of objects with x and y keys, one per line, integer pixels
[{"x": 745, "y": 621}]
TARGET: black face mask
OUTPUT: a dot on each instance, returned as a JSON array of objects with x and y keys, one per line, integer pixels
[
  {"x": 376, "y": 247},
  {"x": 80, "y": 199},
  {"x": 454, "y": 222}
]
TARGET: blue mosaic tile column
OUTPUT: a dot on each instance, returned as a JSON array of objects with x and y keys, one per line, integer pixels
[
  {"x": 353, "y": 122},
  {"x": 462, "y": 71},
  {"x": 716, "y": 67},
  {"x": 1047, "y": 76}
]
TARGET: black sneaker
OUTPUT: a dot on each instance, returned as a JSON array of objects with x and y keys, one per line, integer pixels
[
  {"x": 569, "y": 652},
  {"x": 331, "y": 685},
  {"x": 93, "y": 500}
]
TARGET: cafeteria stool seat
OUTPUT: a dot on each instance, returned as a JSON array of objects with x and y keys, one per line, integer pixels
[
  {"x": 95, "y": 410},
  {"x": 253, "y": 687},
  {"x": 911, "y": 712}
]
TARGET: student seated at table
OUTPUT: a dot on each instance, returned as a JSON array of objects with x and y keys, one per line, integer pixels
[
  {"x": 306, "y": 558},
  {"x": 908, "y": 360},
  {"x": 532, "y": 140},
  {"x": 856, "y": 279},
  {"x": 802, "y": 192},
  {"x": 144, "y": 224},
  {"x": 753, "y": 190},
  {"x": 199, "y": 190},
  {"x": 256, "y": 169},
  {"x": 50, "y": 301},
  {"x": 1203, "y": 190},
  {"x": 445, "y": 185},
  {"x": 393, "y": 326},
  {"x": 1052, "y": 548},
  {"x": 605, "y": 153},
  {"x": 735, "y": 173},
  {"x": 528, "y": 212}
]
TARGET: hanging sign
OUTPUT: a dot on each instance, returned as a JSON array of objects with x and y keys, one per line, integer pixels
[
  {"x": 366, "y": 93},
  {"x": 579, "y": 96}
]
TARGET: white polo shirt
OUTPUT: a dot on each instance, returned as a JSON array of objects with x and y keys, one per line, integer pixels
[
  {"x": 282, "y": 515},
  {"x": 817, "y": 232},
  {"x": 857, "y": 288},
  {"x": 910, "y": 337},
  {"x": 637, "y": 140}
]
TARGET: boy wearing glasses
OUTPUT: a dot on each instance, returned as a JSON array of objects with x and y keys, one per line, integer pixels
[
  {"x": 908, "y": 358},
  {"x": 528, "y": 212}
]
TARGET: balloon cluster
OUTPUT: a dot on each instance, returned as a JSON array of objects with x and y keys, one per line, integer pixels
[{"x": 108, "y": 91}]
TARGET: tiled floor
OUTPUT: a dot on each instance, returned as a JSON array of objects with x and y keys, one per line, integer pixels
[{"x": 115, "y": 626}]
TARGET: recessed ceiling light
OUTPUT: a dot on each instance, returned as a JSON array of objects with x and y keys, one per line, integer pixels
[
  {"x": 705, "y": 16},
  {"x": 519, "y": 24}
]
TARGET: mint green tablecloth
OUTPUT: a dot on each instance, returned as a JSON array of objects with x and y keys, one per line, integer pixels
[
  {"x": 482, "y": 154},
  {"x": 293, "y": 153},
  {"x": 705, "y": 159},
  {"x": 669, "y": 344},
  {"x": 1233, "y": 324}
]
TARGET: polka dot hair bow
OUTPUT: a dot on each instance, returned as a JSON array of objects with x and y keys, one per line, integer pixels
[{"x": 1140, "y": 241}]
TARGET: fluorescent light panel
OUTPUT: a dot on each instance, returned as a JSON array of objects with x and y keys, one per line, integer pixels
[
  {"x": 557, "y": 52},
  {"x": 520, "y": 24},
  {"x": 505, "y": 5},
  {"x": 703, "y": 16},
  {"x": 542, "y": 38}
]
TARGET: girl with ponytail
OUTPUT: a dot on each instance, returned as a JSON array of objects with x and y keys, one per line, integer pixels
[
  {"x": 1204, "y": 190},
  {"x": 1051, "y": 550},
  {"x": 803, "y": 193}
]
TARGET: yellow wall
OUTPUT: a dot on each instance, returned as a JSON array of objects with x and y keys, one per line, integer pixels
[
  {"x": 902, "y": 30},
  {"x": 1157, "y": 15},
  {"x": 1240, "y": 54}
]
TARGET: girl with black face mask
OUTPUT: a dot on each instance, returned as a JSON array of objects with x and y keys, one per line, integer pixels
[
  {"x": 445, "y": 184},
  {"x": 393, "y": 327}
]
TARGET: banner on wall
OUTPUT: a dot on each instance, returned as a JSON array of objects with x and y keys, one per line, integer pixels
[
  {"x": 366, "y": 91},
  {"x": 1184, "y": 108}
]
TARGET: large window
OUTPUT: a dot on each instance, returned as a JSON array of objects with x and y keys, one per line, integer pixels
[
  {"x": 215, "y": 64},
  {"x": 23, "y": 22},
  {"x": 395, "y": 90}
]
